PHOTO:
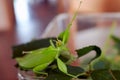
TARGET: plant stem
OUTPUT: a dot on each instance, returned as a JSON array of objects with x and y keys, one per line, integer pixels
[{"x": 112, "y": 75}]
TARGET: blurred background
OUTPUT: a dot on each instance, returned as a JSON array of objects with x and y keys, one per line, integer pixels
[{"x": 24, "y": 20}]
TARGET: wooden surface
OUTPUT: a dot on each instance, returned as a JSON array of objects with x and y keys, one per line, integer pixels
[{"x": 40, "y": 14}]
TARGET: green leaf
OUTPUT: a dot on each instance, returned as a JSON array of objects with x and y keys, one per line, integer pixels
[
  {"x": 61, "y": 65},
  {"x": 86, "y": 50},
  {"x": 103, "y": 74},
  {"x": 56, "y": 75},
  {"x": 74, "y": 70},
  {"x": 38, "y": 57},
  {"x": 63, "y": 68},
  {"x": 33, "y": 45},
  {"x": 117, "y": 43},
  {"x": 116, "y": 39},
  {"x": 102, "y": 63}
]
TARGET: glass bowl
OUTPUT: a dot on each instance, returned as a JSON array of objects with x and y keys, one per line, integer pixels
[
  {"x": 92, "y": 29},
  {"x": 28, "y": 75}
]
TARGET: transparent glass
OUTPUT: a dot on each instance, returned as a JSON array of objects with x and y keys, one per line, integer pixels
[
  {"x": 92, "y": 29},
  {"x": 28, "y": 75},
  {"x": 23, "y": 75}
]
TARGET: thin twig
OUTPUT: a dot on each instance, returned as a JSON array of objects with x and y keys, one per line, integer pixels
[{"x": 112, "y": 75}]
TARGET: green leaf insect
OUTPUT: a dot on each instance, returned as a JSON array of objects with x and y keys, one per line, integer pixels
[
  {"x": 55, "y": 56},
  {"x": 39, "y": 59}
]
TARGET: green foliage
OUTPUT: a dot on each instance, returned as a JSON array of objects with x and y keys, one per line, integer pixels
[
  {"x": 75, "y": 70},
  {"x": 105, "y": 74},
  {"x": 86, "y": 50},
  {"x": 61, "y": 65},
  {"x": 102, "y": 63},
  {"x": 117, "y": 43},
  {"x": 33, "y": 45},
  {"x": 57, "y": 75}
]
